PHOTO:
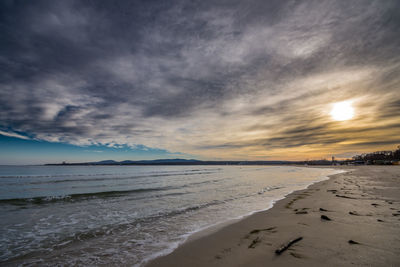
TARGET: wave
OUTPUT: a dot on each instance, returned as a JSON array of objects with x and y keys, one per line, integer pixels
[
  {"x": 113, "y": 229},
  {"x": 81, "y": 196},
  {"x": 102, "y": 194},
  {"x": 110, "y": 229},
  {"x": 108, "y": 178},
  {"x": 102, "y": 174},
  {"x": 119, "y": 193},
  {"x": 269, "y": 188}
]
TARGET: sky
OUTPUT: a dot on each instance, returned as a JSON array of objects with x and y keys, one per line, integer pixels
[{"x": 216, "y": 80}]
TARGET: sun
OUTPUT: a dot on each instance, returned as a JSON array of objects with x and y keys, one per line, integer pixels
[{"x": 342, "y": 111}]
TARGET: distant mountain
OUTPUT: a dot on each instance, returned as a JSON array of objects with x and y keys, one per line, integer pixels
[
  {"x": 105, "y": 162},
  {"x": 136, "y": 162},
  {"x": 158, "y": 161},
  {"x": 179, "y": 162},
  {"x": 164, "y": 161}
]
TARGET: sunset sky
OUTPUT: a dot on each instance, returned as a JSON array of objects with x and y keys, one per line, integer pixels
[{"x": 216, "y": 80}]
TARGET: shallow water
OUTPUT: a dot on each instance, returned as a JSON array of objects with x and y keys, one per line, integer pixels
[{"x": 125, "y": 215}]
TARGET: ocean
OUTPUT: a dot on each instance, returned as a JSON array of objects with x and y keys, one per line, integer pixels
[{"x": 127, "y": 215}]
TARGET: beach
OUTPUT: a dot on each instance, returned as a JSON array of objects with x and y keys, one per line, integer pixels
[
  {"x": 352, "y": 219},
  {"x": 127, "y": 215}
]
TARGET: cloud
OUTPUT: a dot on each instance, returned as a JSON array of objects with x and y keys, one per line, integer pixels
[
  {"x": 94, "y": 151},
  {"x": 205, "y": 78},
  {"x": 16, "y": 135}
]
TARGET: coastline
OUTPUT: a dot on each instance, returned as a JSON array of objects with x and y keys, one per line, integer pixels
[
  {"x": 210, "y": 229},
  {"x": 218, "y": 226},
  {"x": 345, "y": 198}
]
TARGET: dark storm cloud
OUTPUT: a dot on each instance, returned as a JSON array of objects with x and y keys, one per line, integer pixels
[{"x": 141, "y": 71}]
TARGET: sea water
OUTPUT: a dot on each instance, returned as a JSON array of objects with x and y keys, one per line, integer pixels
[{"x": 126, "y": 215}]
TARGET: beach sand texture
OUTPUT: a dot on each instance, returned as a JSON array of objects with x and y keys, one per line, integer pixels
[{"x": 352, "y": 219}]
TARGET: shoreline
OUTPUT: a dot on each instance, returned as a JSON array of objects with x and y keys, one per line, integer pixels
[
  {"x": 207, "y": 230},
  {"x": 252, "y": 239},
  {"x": 210, "y": 229}
]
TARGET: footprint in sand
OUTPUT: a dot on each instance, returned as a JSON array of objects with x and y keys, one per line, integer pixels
[
  {"x": 326, "y": 218},
  {"x": 255, "y": 242},
  {"x": 223, "y": 253},
  {"x": 297, "y": 255},
  {"x": 258, "y": 239},
  {"x": 256, "y": 231},
  {"x": 301, "y": 211}
]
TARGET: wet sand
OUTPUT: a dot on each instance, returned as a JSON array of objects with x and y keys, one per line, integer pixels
[{"x": 352, "y": 219}]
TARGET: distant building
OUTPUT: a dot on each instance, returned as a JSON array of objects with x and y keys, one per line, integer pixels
[{"x": 385, "y": 157}]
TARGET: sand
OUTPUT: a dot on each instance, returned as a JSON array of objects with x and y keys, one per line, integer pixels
[{"x": 363, "y": 206}]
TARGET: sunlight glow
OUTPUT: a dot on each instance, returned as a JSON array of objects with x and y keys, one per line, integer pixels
[{"x": 342, "y": 111}]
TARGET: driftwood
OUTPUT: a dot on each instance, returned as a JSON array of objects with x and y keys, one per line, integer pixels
[
  {"x": 352, "y": 242},
  {"x": 287, "y": 245},
  {"x": 321, "y": 209},
  {"x": 346, "y": 197},
  {"x": 301, "y": 212}
]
